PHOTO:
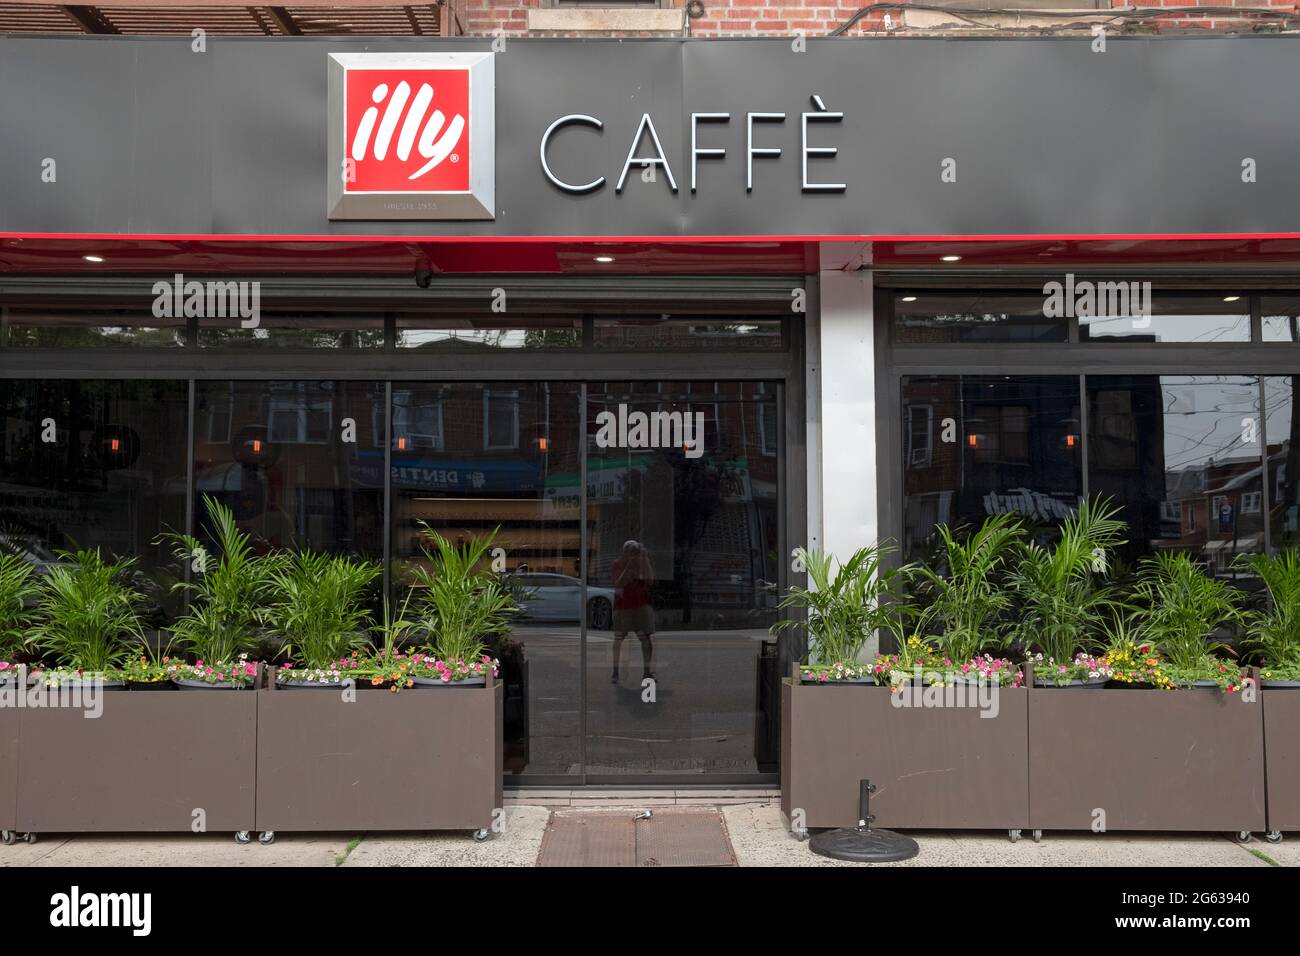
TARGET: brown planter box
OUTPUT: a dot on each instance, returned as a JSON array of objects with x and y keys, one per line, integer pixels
[
  {"x": 422, "y": 759},
  {"x": 934, "y": 767},
  {"x": 146, "y": 764},
  {"x": 1282, "y": 757},
  {"x": 1151, "y": 759},
  {"x": 8, "y": 768}
]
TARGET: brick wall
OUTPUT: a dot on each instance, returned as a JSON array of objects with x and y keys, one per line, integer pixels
[{"x": 819, "y": 17}]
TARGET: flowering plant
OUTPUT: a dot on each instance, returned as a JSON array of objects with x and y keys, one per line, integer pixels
[
  {"x": 1227, "y": 674},
  {"x": 1084, "y": 667},
  {"x": 839, "y": 671},
  {"x": 994, "y": 670},
  {"x": 1132, "y": 662},
  {"x": 59, "y": 676},
  {"x": 8, "y": 671},
  {"x": 354, "y": 667},
  {"x": 142, "y": 670},
  {"x": 237, "y": 673},
  {"x": 392, "y": 668},
  {"x": 1287, "y": 670},
  {"x": 920, "y": 657},
  {"x": 916, "y": 653},
  {"x": 449, "y": 672}
]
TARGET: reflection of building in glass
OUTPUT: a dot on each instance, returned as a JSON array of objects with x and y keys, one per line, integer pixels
[
  {"x": 295, "y": 461},
  {"x": 976, "y": 446}
]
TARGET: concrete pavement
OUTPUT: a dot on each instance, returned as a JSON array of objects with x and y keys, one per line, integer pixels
[{"x": 755, "y": 829}]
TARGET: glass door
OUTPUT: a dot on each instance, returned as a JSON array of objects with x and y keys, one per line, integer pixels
[{"x": 682, "y": 503}]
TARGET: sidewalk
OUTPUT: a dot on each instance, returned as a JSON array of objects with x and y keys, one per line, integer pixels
[{"x": 756, "y": 830}]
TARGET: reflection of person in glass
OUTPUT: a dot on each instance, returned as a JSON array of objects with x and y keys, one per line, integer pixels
[{"x": 633, "y": 612}]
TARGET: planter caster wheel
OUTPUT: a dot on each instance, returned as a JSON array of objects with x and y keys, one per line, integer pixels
[
  {"x": 1242, "y": 836},
  {"x": 8, "y": 837},
  {"x": 800, "y": 835},
  {"x": 1013, "y": 836},
  {"x": 481, "y": 836},
  {"x": 1273, "y": 836},
  {"x": 1038, "y": 836},
  {"x": 243, "y": 836},
  {"x": 266, "y": 837},
  {"x": 29, "y": 837}
]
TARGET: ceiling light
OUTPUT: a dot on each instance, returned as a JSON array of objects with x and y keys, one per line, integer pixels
[
  {"x": 93, "y": 258},
  {"x": 604, "y": 258},
  {"x": 1231, "y": 298},
  {"x": 951, "y": 258},
  {"x": 909, "y": 298}
]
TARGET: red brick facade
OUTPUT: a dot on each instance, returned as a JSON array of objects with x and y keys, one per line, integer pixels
[{"x": 730, "y": 18}]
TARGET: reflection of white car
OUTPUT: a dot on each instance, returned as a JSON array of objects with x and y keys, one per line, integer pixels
[{"x": 546, "y": 596}]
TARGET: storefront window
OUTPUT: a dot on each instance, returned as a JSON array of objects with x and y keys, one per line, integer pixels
[
  {"x": 1281, "y": 318},
  {"x": 73, "y": 327},
  {"x": 938, "y": 318},
  {"x": 95, "y": 464},
  {"x": 1281, "y": 421},
  {"x": 294, "y": 329},
  {"x": 1141, "y": 317},
  {"x": 471, "y": 331},
  {"x": 981, "y": 445},
  {"x": 1181, "y": 455},
  {"x": 300, "y": 463},
  {"x": 662, "y": 332}
]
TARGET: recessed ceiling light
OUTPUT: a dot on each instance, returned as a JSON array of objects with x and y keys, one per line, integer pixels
[
  {"x": 909, "y": 298},
  {"x": 951, "y": 258},
  {"x": 93, "y": 258},
  {"x": 604, "y": 258},
  {"x": 1231, "y": 298}
]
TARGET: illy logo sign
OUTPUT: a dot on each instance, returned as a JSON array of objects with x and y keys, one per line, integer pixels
[{"x": 411, "y": 136}]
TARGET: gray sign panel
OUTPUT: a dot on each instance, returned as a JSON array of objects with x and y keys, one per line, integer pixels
[{"x": 1040, "y": 136}]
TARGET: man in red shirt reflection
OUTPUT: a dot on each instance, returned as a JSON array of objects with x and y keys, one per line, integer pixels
[{"x": 633, "y": 611}]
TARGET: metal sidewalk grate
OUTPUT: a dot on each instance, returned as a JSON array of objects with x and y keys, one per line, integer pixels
[{"x": 671, "y": 837}]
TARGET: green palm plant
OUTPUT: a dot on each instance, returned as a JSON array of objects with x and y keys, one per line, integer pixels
[
  {"x": 315, "y": 604},
  {"x": 1181, "y": 608},
  {"x": 1275, "y": 630},
  {"x": 1061, "y": 594},
  {"x": 460, "y": 600},
  {"x": 847, "y": 603},
  {"x": 87, "y": 612},
  {"x": 226, "y": 591},
  {"x": 18, "y": 590},
  {"x": 966, "y": 597}
]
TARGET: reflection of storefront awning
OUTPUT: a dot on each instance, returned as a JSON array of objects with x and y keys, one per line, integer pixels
[
  {"x": 1245, "y": 545},
  {"x": 463, "y": 475}
]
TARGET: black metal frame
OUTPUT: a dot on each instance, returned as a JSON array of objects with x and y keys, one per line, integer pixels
[
  {"x": 389, "y": 364},
  {"x": 1072, "y": 357}
]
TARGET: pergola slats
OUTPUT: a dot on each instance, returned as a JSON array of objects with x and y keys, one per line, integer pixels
[{"x": 165, "y": 19}]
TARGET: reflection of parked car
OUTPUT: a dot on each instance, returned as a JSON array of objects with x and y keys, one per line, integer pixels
[
  {"x": 43, "y": 559},
  {"x": 546, "y": 596}
]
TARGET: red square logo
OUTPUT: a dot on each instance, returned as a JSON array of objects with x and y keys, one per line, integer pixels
[{"x": 407, "y": 130}]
